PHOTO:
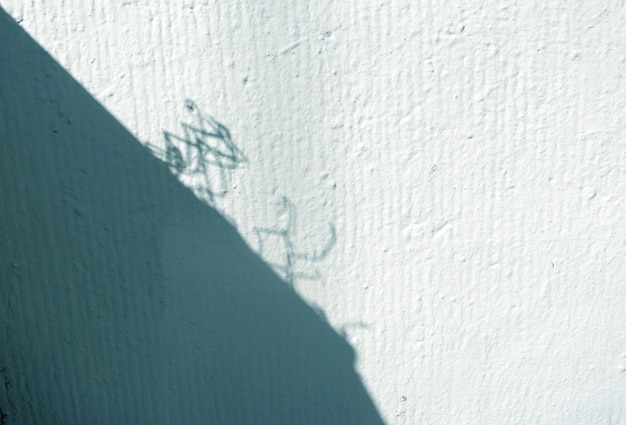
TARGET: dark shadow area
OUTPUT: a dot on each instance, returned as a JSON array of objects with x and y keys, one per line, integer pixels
[{"x": 123, "y": 298}]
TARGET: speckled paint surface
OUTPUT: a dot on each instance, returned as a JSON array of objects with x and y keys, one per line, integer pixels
[{"x": 444, "y": 183}]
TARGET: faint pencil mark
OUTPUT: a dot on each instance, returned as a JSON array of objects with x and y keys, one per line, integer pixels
[
  {"x": 202, "y": 156},
  {"x": 292, "y": 262},
  {"x": 293, "y": 46}
]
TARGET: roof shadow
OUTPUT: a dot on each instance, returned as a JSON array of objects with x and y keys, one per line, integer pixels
[{"x": 126, "y": 300}]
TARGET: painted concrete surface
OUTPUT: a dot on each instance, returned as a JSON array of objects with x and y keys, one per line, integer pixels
[
  {"x": 127, "y": 300},
  {"x": 443, "y": 183}
]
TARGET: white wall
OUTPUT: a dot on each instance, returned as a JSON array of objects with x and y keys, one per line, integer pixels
[{"x": 470, "y": 156}]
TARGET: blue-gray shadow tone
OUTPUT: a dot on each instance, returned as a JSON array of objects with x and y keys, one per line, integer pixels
[{"x": 124, "y": 300}]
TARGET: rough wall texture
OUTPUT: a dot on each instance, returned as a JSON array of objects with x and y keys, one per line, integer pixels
[{"x": 445, "y": 181}]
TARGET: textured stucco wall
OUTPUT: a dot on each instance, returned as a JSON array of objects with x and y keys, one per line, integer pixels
[{"x": 457, "y": 171}]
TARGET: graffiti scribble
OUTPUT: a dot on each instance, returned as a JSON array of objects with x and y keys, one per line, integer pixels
[
  {"x": 202, "y": 156},
  {"x": 202, "y": 159},
  {"x": 292, "y": 264}
]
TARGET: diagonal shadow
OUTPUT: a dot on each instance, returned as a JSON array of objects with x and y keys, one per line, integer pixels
[{"x": 126, "y": 300}]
